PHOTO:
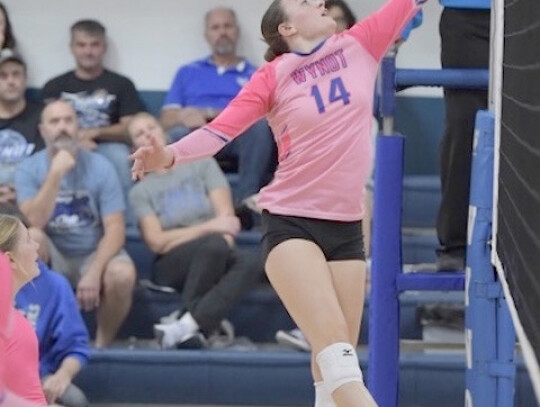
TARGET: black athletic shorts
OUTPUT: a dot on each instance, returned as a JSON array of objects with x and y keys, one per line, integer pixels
[{"x": 337, "y": 240}]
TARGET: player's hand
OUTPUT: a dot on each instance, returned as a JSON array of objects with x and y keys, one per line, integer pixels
[{"x": 150, "y": 158}]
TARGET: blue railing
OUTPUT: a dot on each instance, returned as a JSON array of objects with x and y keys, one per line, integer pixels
[{"x": 388, "y": 279}]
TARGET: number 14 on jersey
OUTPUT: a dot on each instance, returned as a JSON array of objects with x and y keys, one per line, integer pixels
[{"x": 337, "y": 92}]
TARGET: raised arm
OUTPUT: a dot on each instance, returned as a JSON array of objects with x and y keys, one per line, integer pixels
[
  {"x": 252, "y": 103},
  {"x": 378, "y": 31}
]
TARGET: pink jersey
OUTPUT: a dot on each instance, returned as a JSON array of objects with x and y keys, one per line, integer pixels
[
  {"x": 22, "y": 356},
  {"x": 6, "y": 300},
  {"x": 319, "y": 106}
]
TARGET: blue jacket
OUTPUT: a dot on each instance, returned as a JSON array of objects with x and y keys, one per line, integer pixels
[
  {"x": 474, "y": 4},
  {"x": 49, "y": 304}
]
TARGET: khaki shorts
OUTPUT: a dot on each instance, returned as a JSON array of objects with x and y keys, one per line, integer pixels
[{"x": 73, "y": 267}]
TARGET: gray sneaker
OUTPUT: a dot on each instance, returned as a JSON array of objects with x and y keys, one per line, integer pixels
[{"x": 294, "y": 339}]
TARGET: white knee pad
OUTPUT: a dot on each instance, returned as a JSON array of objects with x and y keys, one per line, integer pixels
[
  {"x": 339, "y": 365},
  {"x": 323, "y": 398}
]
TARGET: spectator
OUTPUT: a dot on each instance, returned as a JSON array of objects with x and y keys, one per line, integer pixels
[
  {"x": 186, "y": 217},
  {"x": 50, "y": 306},
  {"x": 19, "y": 135},
  {"x": 342, "y": 14},
  {"x": 74, "y": 196},
  {"x": 103, "y": 100},
  {"x": 21, "y": 345},
  {"x": 202, "y": 89},
  {"x": 464, "y": 29}
]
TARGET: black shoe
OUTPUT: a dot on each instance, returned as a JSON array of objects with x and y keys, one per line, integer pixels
[{"x": 196, "y": 341}]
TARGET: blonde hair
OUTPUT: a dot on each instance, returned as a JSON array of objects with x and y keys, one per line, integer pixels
[{"x": 9, "y": 227}]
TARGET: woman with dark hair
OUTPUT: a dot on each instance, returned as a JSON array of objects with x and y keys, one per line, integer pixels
[
  {"x": 341, "y": 13},
  {"x": 317, "y": 94},
  {"x": 7, "y": 39}
]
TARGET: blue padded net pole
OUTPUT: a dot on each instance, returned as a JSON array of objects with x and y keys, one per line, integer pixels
[
  {"x": 489, "y": 346},
  {"x": 506, "y": 340},
  {"x": 386, "y": 250}
]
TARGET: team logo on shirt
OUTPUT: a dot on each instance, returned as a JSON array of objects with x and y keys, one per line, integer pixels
[
  {"x": 74, "y": 210},
  {"x": 13, "y": 149},
  {"x": 31, "y": 313},
  {"x": 184, "y": 205},
  {"x": 333, "y": 62},
  {"x": 93, "y": 109}
]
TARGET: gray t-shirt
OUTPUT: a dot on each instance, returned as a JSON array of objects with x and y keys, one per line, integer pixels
[
  {"x": 179, "y": 198},
  {"x": 88, "y": 193}
]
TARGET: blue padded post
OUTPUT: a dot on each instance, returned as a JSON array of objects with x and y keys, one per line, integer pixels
[
  {"x": 386, "y": 265},
  {"x": 383, "y": 369},
  {"x": 506, "y": 340},
  {"x": 483, "y": 290},
  {"x": 388, "y": 100}
]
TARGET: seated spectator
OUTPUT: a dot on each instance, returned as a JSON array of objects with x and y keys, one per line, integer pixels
[
  {"x": 19, "y": 135},
  {"x": 202, "y": 89},
  {"x": 52, "y": 309},
  {"x": 74, "y": 196},
  {"x": 342, "y": 14},
  {"x": 103, "y": 100},
  {"x": 186, "y": 217},
  {"x": 20, "y": 341}
]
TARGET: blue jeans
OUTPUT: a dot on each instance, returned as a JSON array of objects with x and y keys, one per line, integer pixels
[
  {"x": 255, "y": 151},
  {"x": 117, "y": 154}
]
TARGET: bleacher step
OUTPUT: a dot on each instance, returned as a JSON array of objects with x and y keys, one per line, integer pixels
[{"x": 263, "y": 377}]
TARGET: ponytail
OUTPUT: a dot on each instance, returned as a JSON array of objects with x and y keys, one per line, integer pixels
[{"x": 271, "y": 20}]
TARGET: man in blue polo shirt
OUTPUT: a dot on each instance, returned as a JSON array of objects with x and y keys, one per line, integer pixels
[{"x": 203, "y": 88}]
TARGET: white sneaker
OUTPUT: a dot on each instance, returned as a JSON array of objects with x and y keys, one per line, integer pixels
[
  {"x": 171, "y": 318},
  {"x": 171, "y": 334},
  {"x": 293, "y": 338}
]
